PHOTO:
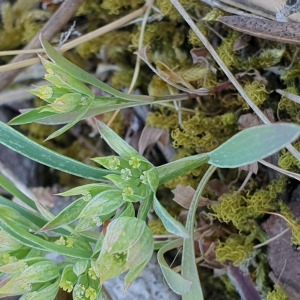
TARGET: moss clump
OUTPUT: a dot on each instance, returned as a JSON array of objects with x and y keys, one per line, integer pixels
[
  {"x": 115, "y": 7},
  {"x": 236, "y": 248},
  {"x": 115, "y": 44},
  {"x": 277, "y": 294},
  {"x": 287, "y": 161},
  {"x": 257, "y": 92},
  {"x": 239, "y": 209},
  {"x": 20, "y": 23},
  {"x": 190, "y": 179},
  {"x": 157, "y": 87},
  {"x": 204, "y": 133},
  {"x": 157, "y": 227},
  {"x": 290, "y": 107},
  {"x": 266, "y": 59},
  {"x": 163, "y": 118},
  {"x": 226, "y": 50},
  {"x": 292, "y": 223},
  {"x": 168, "y": 9}
]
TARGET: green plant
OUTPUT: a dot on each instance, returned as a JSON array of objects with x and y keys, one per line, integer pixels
[{"x": 126, "y": 181}]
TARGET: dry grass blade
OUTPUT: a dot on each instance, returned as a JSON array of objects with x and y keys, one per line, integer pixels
[
  {"x": 282, "y": 171},
  {"x": 151, "y": 135},
  {"x": 142, "y": 54},
  {"x": 56, "y": 22},
  {"x": 21, "y": 62}
]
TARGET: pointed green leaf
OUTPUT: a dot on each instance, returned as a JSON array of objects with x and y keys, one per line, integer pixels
[
  {"x": 67, "y": 215},
  {"x": 82, "y": 75},
  {"x": 31, "y": 115},
  {"x": 97, "y": 108},
  {"x": 35, "y": 218},
  {"x": 152, "y": 178},
  {"x": 88, "y": 189},
  {"x": 168, "y": 221},
  {"x": 67, "y": 81},
  {"x": 21, "y": 144},
  {"x": 127, "y": 244},
  {"x": 80, "y": 267},
  {"x": 46, "y": 291},
  {"x": 253, "y": 144},
  {"x": 181, "y": 166},
  {"x": 60, "y": 131},
  {"x": 132, "y": 274},
  {"x": 117, "y": 143},
  {"x": 175, "y": 281},
  {"x": 103, "y": 204},
  {"x": 128, "y": 211},
  {"x": 11, "y": 188},
  {"x": 22, "y": 235}
]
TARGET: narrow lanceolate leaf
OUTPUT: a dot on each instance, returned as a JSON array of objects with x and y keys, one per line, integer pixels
[
  {"x": 11, "y": 188},
  {"x": 253, "y": 144},
  {"x": 31, "y": 115},
  {"x": 176, "y": 282},
  {"x": 67, "y": 215},
  {"x": 34, "y": 218},
  {"x": 181, "y": 166},
  {"x": 60, "y": 131},
  {"x": 103, "y": 204},
  {"x": 22, "y": 235},
  {"x": 82, "y": 75},
  {"x": 21, "y": 144},
  {"x": 117, "y": 143},
  {"x": 168, "y": 221},
  {"x": 98, "y": 107},
  {"x": 46, "y": 291}
]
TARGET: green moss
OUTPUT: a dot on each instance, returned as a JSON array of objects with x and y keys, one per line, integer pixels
[
  {"x": 157, "y": 227},
  {"x": 266, "y": 59},
  {"x": 163, "y": 118},
  {"x": 20, "y": 23},
  {"x": 115, "y": 44},
  {"x": 157, "y": 87},
  {"x": 238, "y": 209},
  {"x": 277, "y": 294},
  {"x": 190, "y": 179},
  {"x": 226, "y": 50},
  {"x": 257, "y": 92},
  {"x": 168, "y": 9},
  {"x": 290, "y": 107},
  {"x": 115, "y": 7},
  {"x": 236, "y": 249},
  {"x": 291, "y": 222},
  {"x": 287, "y": 161},
  {"x": 204, "y": 133}
]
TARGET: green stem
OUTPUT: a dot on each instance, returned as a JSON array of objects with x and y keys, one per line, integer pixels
[{"x": 189, "y": 268}]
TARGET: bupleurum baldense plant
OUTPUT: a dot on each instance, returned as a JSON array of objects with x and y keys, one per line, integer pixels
[{"x": 118, "y": 202}]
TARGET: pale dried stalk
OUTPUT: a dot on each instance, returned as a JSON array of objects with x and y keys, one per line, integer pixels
[
  {"x": 85, "y": 38},
  {"x": 53, "y": 26}
]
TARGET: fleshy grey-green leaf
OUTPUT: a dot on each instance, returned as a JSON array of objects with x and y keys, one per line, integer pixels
[{"x": 253, "y": 144}]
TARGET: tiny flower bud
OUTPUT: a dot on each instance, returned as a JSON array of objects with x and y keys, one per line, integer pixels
[
  {"x": 126, "y": 174},
  {"x": 134, "y": 162}
]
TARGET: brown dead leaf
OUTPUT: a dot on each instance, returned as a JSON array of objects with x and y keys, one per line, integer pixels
[
  {"x": 250, "y": 120},
  {"x": 241, "y": 42},
  {"x": 183, "y": 195},
  {"x": 218, "y": 187},
  {"x": 253, "y": 168},
  {"x": 198, "y": 53},
  {"x": 151, "y": 135}
]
